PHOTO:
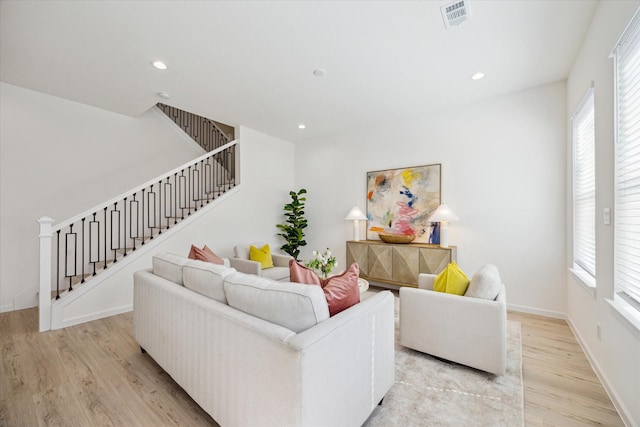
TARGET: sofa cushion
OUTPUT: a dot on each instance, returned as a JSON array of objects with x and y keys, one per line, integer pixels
[
  {"x": 261, "y": 255},
  {"x": 299, "y": 273},
  {"x": 286, "y": 304},
  {"x": 205, "y": 254},
  {"x": 169, "y": 266},
  {"x": 485, "y": 284},
  {"x": 276, "y": 273},
  {"x": 206, "y": 278},
  {"x": 342, "y": 291},
  {"x": 451, "y": 280}
]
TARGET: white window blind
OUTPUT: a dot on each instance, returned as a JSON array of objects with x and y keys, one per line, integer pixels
[
  {"x": 627, "y": 162},
  {"x": 584, "y": 187}
]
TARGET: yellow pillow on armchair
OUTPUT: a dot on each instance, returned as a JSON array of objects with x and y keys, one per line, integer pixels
[
  {"x": 451, "y": 280},
  {"x": 262, "y": 255}
]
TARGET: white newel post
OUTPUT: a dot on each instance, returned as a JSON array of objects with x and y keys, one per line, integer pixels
[{"x": 45, "y": 273}]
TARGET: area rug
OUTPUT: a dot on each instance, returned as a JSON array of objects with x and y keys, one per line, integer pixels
[{"x": 433, "y": 392}]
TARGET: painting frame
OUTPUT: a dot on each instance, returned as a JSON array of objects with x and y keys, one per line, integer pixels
[{"x": 400, "y": 200}]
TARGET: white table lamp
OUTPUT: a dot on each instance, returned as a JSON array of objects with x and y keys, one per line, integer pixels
[
  {"x": 356, "y": 215},
  {"x": 443, "y": 215}
]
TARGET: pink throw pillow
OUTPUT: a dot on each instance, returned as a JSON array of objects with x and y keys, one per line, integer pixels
[
  {"x": 342, "y": 290},
  {"x": 299, "y": 273},
  {"x": 204, "y": 254}
]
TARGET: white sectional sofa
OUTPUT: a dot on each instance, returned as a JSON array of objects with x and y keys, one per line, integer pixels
[{"x": 255, "y": 352}]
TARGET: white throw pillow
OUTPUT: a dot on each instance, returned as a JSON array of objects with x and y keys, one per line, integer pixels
[
  {"x": 206, "y": 278},
  {"x": 292, "y": 305},
  {"x": 485, "y": 284}
]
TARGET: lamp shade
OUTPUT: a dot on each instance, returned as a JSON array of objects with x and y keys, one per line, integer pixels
[
  {"x": 355, "y": 214},
  {"x": 443, "y": 213}
]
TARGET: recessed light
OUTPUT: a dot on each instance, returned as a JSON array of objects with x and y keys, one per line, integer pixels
[
  {"x": 477, "y": 76},
  {"x": 159, "y": 65},
  {"x": 301, "y": 126},
  {"x": 319, "y": 72}
]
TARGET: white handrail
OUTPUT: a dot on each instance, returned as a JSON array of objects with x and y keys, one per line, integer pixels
[{"x": 153, "y": 181}]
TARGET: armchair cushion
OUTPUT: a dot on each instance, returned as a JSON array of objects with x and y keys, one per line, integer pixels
[
  {"x": 485, "y": 284},
  {"x": 451, "y": 280},
  {"x": 261, "y": 255}
]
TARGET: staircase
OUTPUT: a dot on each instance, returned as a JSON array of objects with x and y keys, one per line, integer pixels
[
  {"x": 208, "y": 133},
  {"x": 78, "y": 252}
]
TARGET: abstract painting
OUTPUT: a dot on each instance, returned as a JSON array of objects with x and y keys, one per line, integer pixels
[{"x": 399, "y": 201}]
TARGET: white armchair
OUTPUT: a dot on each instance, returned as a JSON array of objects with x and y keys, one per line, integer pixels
[
  {"x": 462, "y": 329},
  {"x": 242, "y": 263}
]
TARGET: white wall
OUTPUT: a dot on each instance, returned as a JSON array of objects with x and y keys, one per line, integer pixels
[
  {"x": 59, "y": 158},
  {"x": 616, "y": 355},
  {"x": 248, "y": 215},
  {"x": 503, "y": 173}
]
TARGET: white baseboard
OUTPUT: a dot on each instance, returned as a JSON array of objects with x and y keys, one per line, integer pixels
[
  {"x": 5, "y": 308},
  {"x": 617, "y": 402},
  {"x": 538, "y": 311},
  {"x": 26, "y": 299},
  {"x": 93, "y": 316}
]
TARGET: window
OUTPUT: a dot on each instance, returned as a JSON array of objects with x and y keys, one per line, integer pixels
[
  {"x": 627, "y": 165},
  {"x": 584, "y": 191}
]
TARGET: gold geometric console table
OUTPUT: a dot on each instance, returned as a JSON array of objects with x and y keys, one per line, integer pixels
[{"x": 398, "y": 264}]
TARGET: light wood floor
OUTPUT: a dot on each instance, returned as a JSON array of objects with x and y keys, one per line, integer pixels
[{"x": 94, "y": 375}]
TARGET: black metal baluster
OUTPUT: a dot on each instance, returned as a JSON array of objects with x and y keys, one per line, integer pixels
[
  {"x": 58, "y": 266},
  {"x": 105, "y": 237},
  {"x": 190, "y": 192},
  {"x": 67, "y": 273},
  {"x": 142, "y": 244},
  {"x": 167, "y": 200},
  {"x": 124, "y": 234},
  {"x": 188, "y": 195},
  {"x": 94, "y": 260},
  {"x": 160, "y": 206},
  {"x": 232, "y": 155},
  {"x": 131, "y": 235},
  {"x": 82, "y": 281},
  {"x": 175, "y": 198},
  {"x": 155, "y": 211},
  {"x": 115, "y": 248},
  {"x": 200, "y": 183}
]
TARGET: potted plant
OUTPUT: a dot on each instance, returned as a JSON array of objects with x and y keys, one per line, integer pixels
[
  {"x": 323, "y": 262},
  {"x": 292, "y": 229}
]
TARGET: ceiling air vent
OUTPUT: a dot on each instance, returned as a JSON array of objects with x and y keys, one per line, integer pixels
[{"x": 455, "y": 13}]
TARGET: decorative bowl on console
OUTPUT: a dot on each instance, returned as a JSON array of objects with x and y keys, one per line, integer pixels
[{"x": 396, "y": 238}]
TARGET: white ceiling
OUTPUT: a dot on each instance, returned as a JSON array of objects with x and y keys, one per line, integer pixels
[{"x": 252, "y": 62}]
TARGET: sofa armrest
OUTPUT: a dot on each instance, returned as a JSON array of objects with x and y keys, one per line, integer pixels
[
  {"x": 353, "y": 352},
  {"x": 465, "y": 330},
  {"x": 425, "y": 281},
  {"x": 246, "y": 266},
  {"x": 281, "y": 260}
]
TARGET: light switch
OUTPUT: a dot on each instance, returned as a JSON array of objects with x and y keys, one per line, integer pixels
[{"x": 607, "y": 216}]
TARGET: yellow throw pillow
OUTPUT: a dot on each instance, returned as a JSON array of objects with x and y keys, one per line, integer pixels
[
  {"x": 262, "y": 255},
  {"x": 451, "y": 280}
]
